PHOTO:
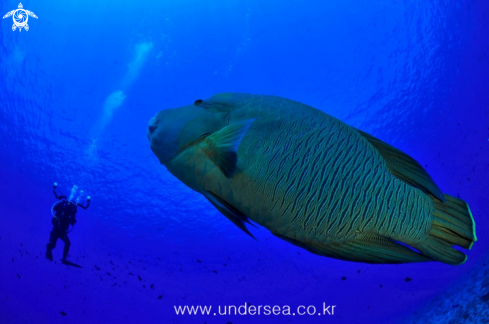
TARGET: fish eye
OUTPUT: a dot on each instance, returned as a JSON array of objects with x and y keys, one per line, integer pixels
[{"x": 198, "y": 102}]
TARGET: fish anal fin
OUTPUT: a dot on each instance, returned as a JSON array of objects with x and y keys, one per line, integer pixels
[
  {"x": 367, "y": 248},
  {"x": 234, "y": 215},
  {"x": 222, "y": 146},
  {"x": 372, "y": 248},
  {"x": 404, "y": 167}
]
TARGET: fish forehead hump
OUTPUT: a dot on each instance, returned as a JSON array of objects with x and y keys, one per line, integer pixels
[
  {"x": 266, "y": 109},
  {"x": 259, "y": 104}
]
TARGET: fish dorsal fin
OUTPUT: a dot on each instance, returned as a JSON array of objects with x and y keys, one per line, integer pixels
[
  {"x": 405, "y": 167},
  {"x": 234, "y": 215},
  {"x": 222, "y": 146}
]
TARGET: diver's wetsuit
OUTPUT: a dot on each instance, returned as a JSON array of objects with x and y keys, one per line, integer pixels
[{"x": 65, "y": 216}]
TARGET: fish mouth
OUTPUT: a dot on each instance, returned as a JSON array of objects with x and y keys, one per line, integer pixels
[
  {"x": 159, "y": 147},
  {"x": 152, "y": 126}
]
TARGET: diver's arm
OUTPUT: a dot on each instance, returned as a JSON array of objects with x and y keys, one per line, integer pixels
[
  {"x": 84, "y": 207},
  {"x": 58, "y": 197},
  {"x": 88, "y": 204},
  {"x": 55, "y": 194}
]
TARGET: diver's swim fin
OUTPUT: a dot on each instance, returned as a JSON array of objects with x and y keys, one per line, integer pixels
[{"x": 68, "y": 263}]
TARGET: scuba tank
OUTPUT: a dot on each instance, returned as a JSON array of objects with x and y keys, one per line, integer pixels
[
  {"x": 74, "y": 193},
  {"x": 64, "y": 211}
]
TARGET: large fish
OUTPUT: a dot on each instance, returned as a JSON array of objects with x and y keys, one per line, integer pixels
[{"x": 311, "y": 179}]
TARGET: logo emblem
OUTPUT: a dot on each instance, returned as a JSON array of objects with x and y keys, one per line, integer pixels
[{"x": 20, "y": 17}]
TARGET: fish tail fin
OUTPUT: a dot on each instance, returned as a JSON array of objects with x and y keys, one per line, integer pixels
[{"x": 453, "y": 224}]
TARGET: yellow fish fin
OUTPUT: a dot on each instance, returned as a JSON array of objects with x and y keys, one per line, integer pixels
[
  {"x": 222, "y": 146},
  {"x": 234, "y": 215},
  {"x": 404, "y": 167}
]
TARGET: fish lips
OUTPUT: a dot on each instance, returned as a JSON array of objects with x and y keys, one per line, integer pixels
[
  {"x": 160, "y": 147},
  {"x": 152, "y": 126},
  {"x": 172, "y": 130},
  {"x": 164, "y": 131}
]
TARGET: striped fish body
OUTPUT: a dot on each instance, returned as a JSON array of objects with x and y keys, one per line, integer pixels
[
  {"x": 310, "y": 177},
  {"x": 311, "y": 180}
]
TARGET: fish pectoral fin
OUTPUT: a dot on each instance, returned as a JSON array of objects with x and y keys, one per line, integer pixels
[
  {"x": 405, "y": 167},
  {"x": 234, "y": 215},
  {"x": 222, "y": 146}
]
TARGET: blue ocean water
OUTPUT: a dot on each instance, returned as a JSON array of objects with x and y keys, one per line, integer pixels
[{"x": 79, "y": 87}]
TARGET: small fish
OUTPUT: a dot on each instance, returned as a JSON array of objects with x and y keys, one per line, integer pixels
[{"x": 311, "y": 179}]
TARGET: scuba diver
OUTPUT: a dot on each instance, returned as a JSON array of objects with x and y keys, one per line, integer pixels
[{"x": 64, "y": 215}]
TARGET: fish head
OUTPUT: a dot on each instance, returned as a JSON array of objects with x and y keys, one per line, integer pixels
[{"x": 171, "y": 131}]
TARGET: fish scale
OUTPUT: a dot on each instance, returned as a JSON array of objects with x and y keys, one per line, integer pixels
[
  {"x": 279, "y": 169},
  {"x": 339, "y": 166}
]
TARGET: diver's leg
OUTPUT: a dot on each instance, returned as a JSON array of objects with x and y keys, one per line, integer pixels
[
  {"x": 53, "y": 237},
  {"x": 66, "y": 239}
]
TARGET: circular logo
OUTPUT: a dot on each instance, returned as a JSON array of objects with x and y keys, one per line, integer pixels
[{"x": 20, "y": 18}]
